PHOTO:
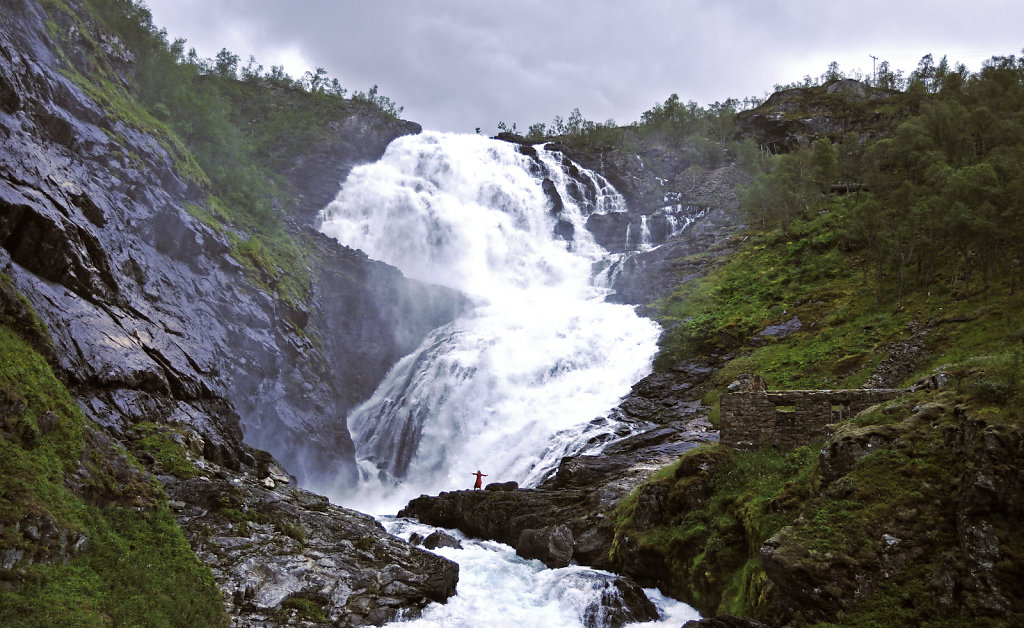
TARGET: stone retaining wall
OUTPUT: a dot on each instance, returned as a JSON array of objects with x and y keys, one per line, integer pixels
[{"x": 752, "y": 416}]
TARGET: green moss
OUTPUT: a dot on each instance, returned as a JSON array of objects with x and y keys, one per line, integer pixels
[
  {"x": 302, "y": 608},
  {"x": 293, "y": 530},
  {"x": 769, "y": 279},
  {"x": 231, "y": 508},
  {"x": 137, "y": 568},
  {"x": 712, "y": 550},
  {"x": 170, "y": 455}
]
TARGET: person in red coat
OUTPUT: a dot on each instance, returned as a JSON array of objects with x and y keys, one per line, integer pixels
[{"x": 479, "y": 479}]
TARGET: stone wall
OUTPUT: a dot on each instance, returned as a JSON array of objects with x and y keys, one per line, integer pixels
[{"x": 752, "y": 416}]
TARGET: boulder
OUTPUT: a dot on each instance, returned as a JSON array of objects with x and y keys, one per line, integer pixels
[
  {"x": 502, "y": 486},
  {"x": 651, "y": 505},
  {"x": 551, "y": 191},
  {"x": 782, "y": 330},
  {"x": 551, "y": 545},
  {"x": 438, "y": 539},
  {"x": 615, "y": 600}
]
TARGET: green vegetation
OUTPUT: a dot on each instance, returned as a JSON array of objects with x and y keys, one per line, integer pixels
[
  {"x": 724, "y": 505},
  {"x": 230, "y": 129},
  {"x": 108, "y": 551},
  {"x": 927, "y": 239},
  {"x": 942, "y": 191},
  {"x": 858, "y": 268},
  {"x": 705, "y": 135},
  {"x": 910, "y": 489},
  {"x": 292, "y": 530},
  {"x": 165, "y": 445},
  {"x": 302, "y": 608}
]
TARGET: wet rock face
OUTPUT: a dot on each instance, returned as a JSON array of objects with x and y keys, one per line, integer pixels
[
  {"x": 153, "y": 321},
  {"x": 609, "y": 230},
  {"x": 269, "y": 546},
  {"x": 358, "y": 139},
  {"x": 151, "y": 316},
  {"x": 658, "y": 184}
]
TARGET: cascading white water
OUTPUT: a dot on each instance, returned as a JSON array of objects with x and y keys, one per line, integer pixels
[
  {"x": 514, "y": 384},
  {"x": 499, "y": 589},
  {"x": 510, "y": 384}
]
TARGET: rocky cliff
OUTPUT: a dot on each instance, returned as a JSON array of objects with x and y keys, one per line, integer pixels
[
  {"x": 677, "y": 203},
  {"x": 159, "y": 329},
  {"x": 796, "y": 117}
]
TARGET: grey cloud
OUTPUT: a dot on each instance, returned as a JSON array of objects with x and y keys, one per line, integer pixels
[{"x": 459, "y": 64}]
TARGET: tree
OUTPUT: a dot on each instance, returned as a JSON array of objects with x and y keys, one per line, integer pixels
[
  {"x": 574, "y": 124},
  {"x": 887, "y": 79},
  {"x": 850, "y": 158},
  {"x": 558, "y": 126},
  {"x": 973, "y": 193},
  {"x": 864, "y": 228},
  {"x": 902, "y": 210},
  {"x": 925, "y": 73},
  {"x": 336, "y": 88},
  {"x": 252, "y": 71},
  {"x": 536, "y": 132},
  {"x": 381, "y": 101},
  {"x": 832, "y": 74},
  {"x": 823, "y": 164},
  {"x": 781, "y": 193},
  {"x": 750, "y": 157},
  {"x": 226, "y": 64},
  {"x": 277, "y": 76},
  {"x": 316, "y": 80},
  {"x": 721, "y": 120}
]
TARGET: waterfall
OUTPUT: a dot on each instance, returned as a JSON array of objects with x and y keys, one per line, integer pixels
[
  {"x": 645, "y": 234},
  {"x": 638, "y": 241},
  {"x": 512, "y": 385}
]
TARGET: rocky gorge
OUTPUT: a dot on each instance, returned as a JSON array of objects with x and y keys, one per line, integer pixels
[
  {"x": 177, "y": 350},
  {"x": 205, "y": 394}
]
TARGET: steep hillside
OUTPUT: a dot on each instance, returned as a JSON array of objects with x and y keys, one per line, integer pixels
[
  {"x": 886, "y": 512},
  {"x": 191, "y": 318},
  {"x": 905, "y": 513}
]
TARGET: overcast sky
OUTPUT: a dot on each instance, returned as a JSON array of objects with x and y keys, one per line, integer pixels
[{"x": 459, "y": 64}]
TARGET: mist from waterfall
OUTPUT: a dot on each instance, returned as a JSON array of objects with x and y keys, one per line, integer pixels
[{"x": 512, "y": 385}]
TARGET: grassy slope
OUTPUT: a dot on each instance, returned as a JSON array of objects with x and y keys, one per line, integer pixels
[
  {"x": 136, "y": 567},
  {"x": 712, "y": 550}
]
